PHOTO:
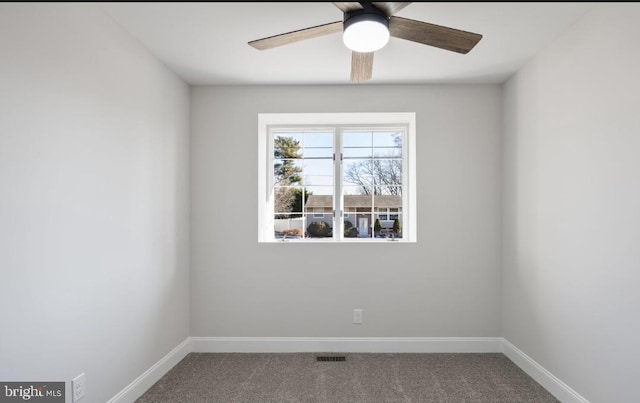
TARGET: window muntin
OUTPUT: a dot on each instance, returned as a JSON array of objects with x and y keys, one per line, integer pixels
[{"x": 343, "y": 197}]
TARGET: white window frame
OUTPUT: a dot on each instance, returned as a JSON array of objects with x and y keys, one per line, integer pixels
[
  {"x": 318, "y": 212},
  {"x": 265, "y": 166}
]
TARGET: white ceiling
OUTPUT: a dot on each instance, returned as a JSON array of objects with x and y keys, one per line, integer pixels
[{"x": 206, "y": 42}]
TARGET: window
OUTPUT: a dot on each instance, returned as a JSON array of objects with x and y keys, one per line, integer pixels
[
  {"x": 336, "y": 177},
  {"x": 388, "y": 213},
  {"x": 383, "y": 213},
  {"x": 393, "y": 214}
]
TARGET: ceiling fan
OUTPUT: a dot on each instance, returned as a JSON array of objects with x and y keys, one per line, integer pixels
[{"x": 367, "y": 27}]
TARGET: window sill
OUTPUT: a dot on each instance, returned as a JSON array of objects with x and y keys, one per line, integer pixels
[{"x": 331, "y": 241}]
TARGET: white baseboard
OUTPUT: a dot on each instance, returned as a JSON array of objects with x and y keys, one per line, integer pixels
[
  {"x": 136, "y": 388},
  {"x": 545, "y": 378},
  {"x": 346, "y": 344}
]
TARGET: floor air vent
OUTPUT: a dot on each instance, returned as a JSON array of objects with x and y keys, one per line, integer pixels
[{"x": 331, "y": 358}]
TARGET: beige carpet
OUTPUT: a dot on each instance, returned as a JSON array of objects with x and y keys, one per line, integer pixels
[{"x": 361, "y": 378}]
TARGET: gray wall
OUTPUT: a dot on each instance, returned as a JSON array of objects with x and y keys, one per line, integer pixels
[
  {"x": 94, "y": 213},
  {"x": 93, "y": 200},
  {"x": 572, "y": 206},
  {"x": 447, "y": 284}
]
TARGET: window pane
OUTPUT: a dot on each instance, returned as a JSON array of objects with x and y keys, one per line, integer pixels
[
  {"x": 389, "y": 207},
  {"x": 356, "y": 139},
  {"x": 358, "y": 174},
  {"x": 387, "y": 144},
  {"x": 389, "y": 190},
  {"x": 394, "y": 213},
  {"x": 319, "y": 227},
  {"x": 364, "y": 225},
  {"x": 387, "y": 172},
  {"x": 318, "y": 180},
  {"x": 287, "y": 145},
  {"x": 396, "y": 229},
  {"x": 287, "y": 200},
  {"x": 317, "y": 145},
  {"x": 350, "y": 226},
  {"x": 387, "y": 201},
  {"x": 387, "y": 139},
  {"x": 355, "y": 203},
  {"x": 318, "y": 139},
  {"x": 287, "y": 172},
  {"x": 320, "y": 191},
  {"x": 319, "y": 210},
  {"x": 288, "y": 226},
  {"x": 318, "y": 172},
  {"x": 382, "y": 213},
  {"x": 391, "y": 152}
]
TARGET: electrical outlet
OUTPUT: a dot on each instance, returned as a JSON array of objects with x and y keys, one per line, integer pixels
[
  {"x": 78, "y": 387},
  {"x": 357, "y": 316}
]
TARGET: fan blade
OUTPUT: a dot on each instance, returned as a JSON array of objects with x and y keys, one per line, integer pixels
[
  {"x": 361, "y": 66},
  {"x": 451, "y": 39},
  {"x": 348, "y": 5},
  {"x": 389, "y": 7},
  {"x": 295, "y": 36}
]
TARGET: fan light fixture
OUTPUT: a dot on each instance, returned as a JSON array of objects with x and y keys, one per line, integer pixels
[
  {"x": 366, "y": 27},
  {"x": 365, "y": 30}
]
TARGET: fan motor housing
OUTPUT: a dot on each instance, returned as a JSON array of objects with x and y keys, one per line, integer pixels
[{"x": 365, "y": 14}]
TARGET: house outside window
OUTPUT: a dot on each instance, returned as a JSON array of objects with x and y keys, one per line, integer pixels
[{"x": 337, "y": 177}]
